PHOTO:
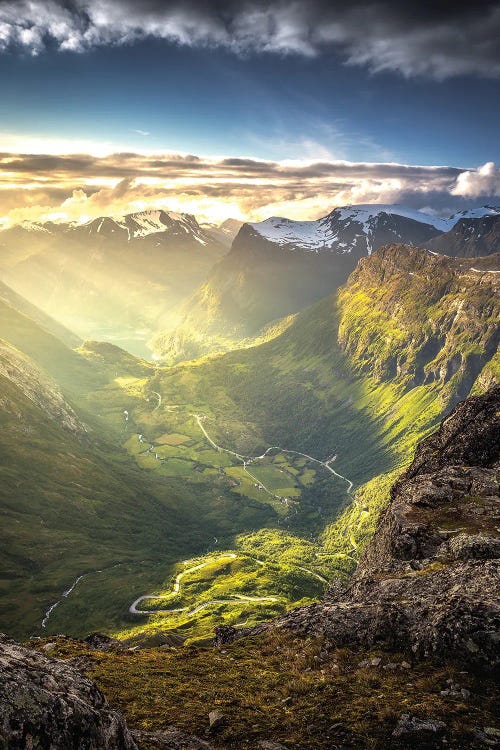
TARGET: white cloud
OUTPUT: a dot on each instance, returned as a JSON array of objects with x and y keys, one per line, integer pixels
[
  {"x": 41, "y": 182},
  {"x": 476, "y": 182}
]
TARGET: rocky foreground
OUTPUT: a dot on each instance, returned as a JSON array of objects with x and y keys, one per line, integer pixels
[
  {"x": 429, "y": 580},
  {"x": 402, "y": 658},
  {"x": 45, "y": 703}
]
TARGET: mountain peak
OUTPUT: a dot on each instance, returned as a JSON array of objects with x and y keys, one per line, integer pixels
[
  {"x": 364, "y": 212},
  {"x": 356, "y": 228},
  {"x": 154, "y": 221}
]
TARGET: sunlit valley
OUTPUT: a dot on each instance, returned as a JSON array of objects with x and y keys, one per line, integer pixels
[{"x": 249, "y": 406}]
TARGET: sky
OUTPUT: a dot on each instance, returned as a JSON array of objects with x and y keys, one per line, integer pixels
[{"x": 246, "y": 109}]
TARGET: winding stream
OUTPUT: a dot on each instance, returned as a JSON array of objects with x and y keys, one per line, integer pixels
[{"x": 69, "y": 591}]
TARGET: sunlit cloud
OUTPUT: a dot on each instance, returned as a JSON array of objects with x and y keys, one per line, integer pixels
[
  {"x": 482, "y": 181},
  {"x": 40, "y": 186}
]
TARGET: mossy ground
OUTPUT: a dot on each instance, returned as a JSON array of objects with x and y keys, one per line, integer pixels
[{"x": 283, "y": 688}]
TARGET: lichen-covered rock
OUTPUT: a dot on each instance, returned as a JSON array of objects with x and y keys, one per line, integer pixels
[
  {"x": 170, "y": 739},
  {"x": 424, "y": 734},
  {"x": 103, "y": 642},
  {"x": 46, "y": 704}
]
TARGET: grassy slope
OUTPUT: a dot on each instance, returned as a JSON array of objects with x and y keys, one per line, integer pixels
[
  {"x": 304, "y": 392},
  {"x": 300, "y": 693},
  {"x": 301, "y": 391},
  {"x": 74, "y": 504}
]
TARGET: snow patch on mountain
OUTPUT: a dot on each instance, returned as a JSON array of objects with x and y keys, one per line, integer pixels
[
  {"x": 474, "y": 213},
  {"x": 35, "y": 226},
  {"x": 146, "y": 222},
  {"x": 364, "y": 213},
  {"x": 329, "y": 232},
  {"x": 289, "y": 232},
  {"x": 348, "y": 227}
]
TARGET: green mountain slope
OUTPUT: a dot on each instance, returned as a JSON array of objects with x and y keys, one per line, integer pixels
[
  {"x": 73, "y": 502},
  {"x": 327, "y": 387},
  {"x": 252, "y": 477}
]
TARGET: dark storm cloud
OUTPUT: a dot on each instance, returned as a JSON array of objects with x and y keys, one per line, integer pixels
[{"x": 439, "y": 39}]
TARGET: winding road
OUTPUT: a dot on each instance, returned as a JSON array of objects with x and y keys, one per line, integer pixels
[
  {"x": 238, "y": 598},
  {"x": 246, "y": 460}
]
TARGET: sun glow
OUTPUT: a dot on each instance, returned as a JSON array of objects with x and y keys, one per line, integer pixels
[{"x": 74, "y": 180}]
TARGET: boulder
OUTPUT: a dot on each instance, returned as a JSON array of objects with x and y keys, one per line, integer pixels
[
  {"x": 48, "y": 705},
  {"x": 424, "y": 734},
  {"x": 216, "y": 719}
]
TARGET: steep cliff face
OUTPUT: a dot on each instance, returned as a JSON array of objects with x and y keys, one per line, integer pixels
[
  {"x": 416, "y": 318},
  {"x": 48, "y": 705},
  {"x": 256, "y": 283},
  {"x": 469, "y": 238},
  {"x": 38, "y": 387},
  {"x": 428, "y": 581}
]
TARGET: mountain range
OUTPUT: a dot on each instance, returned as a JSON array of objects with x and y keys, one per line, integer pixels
[
  {"x": 161, "y": 280},
  {"x": 118, "y": 279},
  {"x": 277, "y": 267}
]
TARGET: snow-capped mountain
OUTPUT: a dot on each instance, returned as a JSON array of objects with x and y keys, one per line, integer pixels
[
  {"x": 279, "y": 266},
  {"x": 473, "y": 213},
  {"x": 364, "y": 228},
  {"x": 475, "y": 233},
  {"x": 134, "y": 226},
  {"x": 129, "y": 227},
  {"x": 361, "y": 229}
]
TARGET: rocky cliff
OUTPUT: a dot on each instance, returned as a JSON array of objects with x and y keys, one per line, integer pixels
[
  {"x": 428, "y": 581},
  {"x": 48, "y": 705},
  {"x": 416, "y": 318}
]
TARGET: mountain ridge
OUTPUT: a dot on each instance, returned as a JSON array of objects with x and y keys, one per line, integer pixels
[{"x": 279, "y": 267}]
